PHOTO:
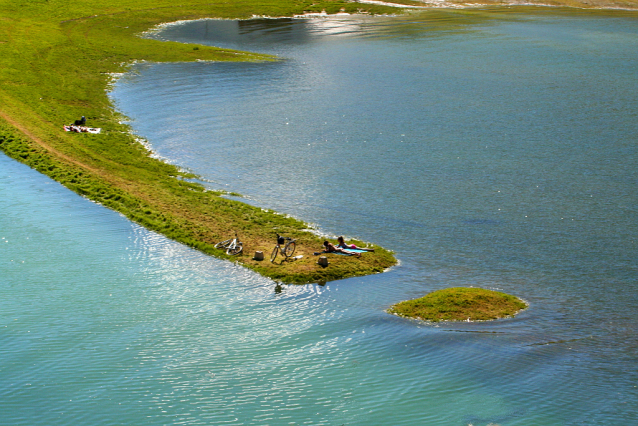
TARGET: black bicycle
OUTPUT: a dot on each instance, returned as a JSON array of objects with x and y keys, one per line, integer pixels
[{"x": 285, "y": 245}]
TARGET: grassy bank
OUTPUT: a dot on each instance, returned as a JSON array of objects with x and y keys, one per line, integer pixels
[
  {"x": 460, "y": 304},
  {"x": 56, "y": 62}
]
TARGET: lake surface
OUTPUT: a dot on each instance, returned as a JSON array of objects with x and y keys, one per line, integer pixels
[{"x": 493, "y": 149}]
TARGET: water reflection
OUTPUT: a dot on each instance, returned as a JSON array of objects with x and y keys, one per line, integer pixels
[
  {"x": 258, "y": 33},
  {"x": 268, "y": 33}
]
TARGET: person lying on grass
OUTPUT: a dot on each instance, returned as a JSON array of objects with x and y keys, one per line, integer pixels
[
  {"x": 342, "y": 244},
  {"x": 330, "y": 248}
]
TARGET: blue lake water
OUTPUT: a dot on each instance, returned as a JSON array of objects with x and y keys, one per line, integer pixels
[{"x": 488, "y": 149}]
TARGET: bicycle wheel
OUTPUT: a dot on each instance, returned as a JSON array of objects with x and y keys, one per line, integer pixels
[
  {"x": 289, "y": 249},
  {"x": 235, "y": 250},
  {"x": 223, "y": 244},
  {"x": 273, "y": 255}
]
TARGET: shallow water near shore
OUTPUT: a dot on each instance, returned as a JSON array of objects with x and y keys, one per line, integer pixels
[{"x": 488, "y": 149}]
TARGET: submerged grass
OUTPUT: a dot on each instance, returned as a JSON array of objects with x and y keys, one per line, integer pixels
[
  {"x": 57, "y": 59},
  {"x": 460, "y": 304}
]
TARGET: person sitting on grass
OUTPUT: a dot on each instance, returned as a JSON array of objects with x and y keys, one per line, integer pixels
[
  {"x": 330, "y": 248},
  {"x": 342, "y": 244}
]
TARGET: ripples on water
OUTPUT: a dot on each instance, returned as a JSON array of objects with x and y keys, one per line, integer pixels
[{"x": 486, "y": 149}]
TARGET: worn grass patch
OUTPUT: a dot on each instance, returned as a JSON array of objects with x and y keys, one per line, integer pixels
[{"x": 460, "y": 304}]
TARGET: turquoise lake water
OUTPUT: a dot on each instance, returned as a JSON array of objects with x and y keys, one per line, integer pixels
[{"x": 488, "y": 149}]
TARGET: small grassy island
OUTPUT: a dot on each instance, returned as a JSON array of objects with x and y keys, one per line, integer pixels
[
  {"x": 57, "y": 60},
  {"x": 460, "y": 304}
]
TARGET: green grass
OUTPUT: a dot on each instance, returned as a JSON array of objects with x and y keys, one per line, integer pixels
[
  {"x": 460, "y": 304},
  {"x": 56, "y": 62}
]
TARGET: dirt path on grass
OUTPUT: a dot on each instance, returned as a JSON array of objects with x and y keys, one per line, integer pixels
[
  {"x": 139, "y": 191},
  {"x": 48, "y": 147}
]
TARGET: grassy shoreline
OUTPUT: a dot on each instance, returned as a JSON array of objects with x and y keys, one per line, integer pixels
[
  {"x": 460, "y": 304},
  {"x": 57, "y": 59}
]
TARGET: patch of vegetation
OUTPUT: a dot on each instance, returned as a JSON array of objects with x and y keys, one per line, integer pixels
[{"x": 460, "y": 304}]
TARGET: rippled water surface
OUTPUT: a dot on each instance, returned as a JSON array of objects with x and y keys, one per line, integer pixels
[{"x": 487, "y": 149}]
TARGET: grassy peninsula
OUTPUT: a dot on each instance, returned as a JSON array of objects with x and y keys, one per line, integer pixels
[
  {"x": 57, "y": 58},
  {"x": 460, "y": 304}
]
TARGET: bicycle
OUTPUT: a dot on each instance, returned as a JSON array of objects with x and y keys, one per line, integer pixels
[
  {"x": 286, "y": 251},
  {"x": 233, "y": 246}
]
